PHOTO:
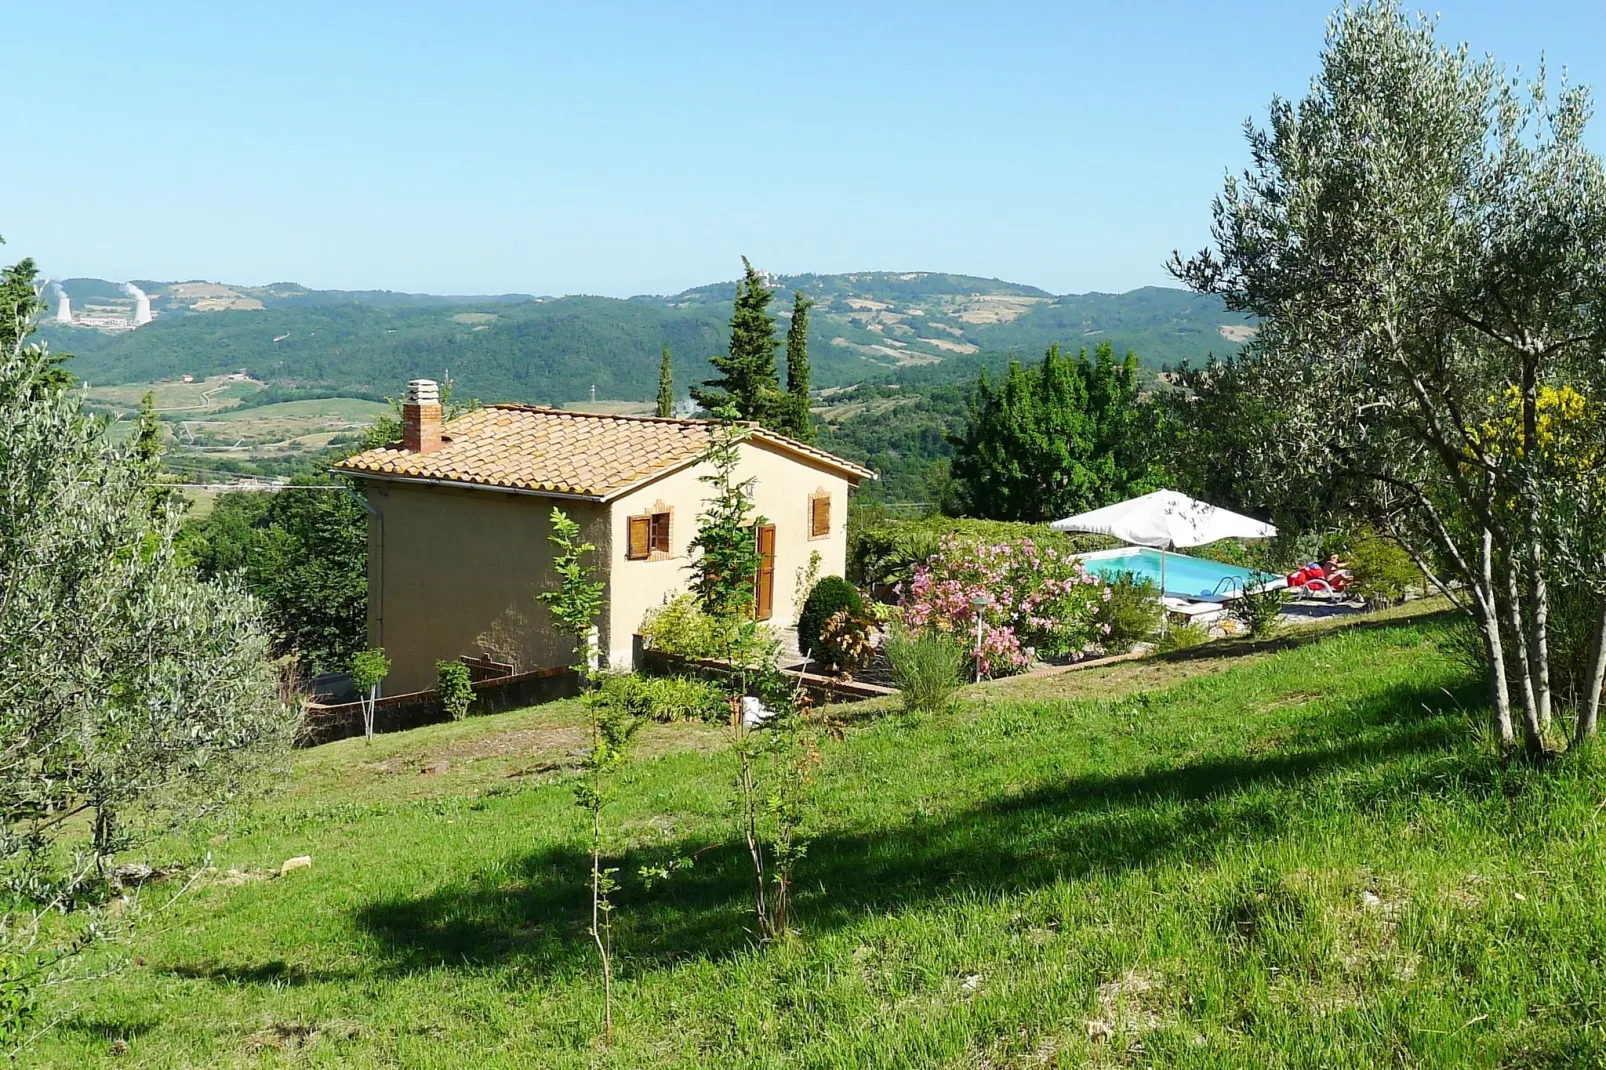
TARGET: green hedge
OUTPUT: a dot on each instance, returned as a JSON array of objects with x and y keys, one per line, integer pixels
[{"x": 882, "y": 549}]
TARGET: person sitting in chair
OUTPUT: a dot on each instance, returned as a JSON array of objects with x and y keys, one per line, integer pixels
[{"x": 1336, "y": 572}]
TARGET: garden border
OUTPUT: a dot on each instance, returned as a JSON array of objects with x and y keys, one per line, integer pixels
[
  {"x": 413, "y": 709},
  {"x": 658, "y": 663}
]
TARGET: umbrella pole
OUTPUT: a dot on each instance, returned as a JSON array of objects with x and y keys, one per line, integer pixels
[{"x": 1165, "y": 616}]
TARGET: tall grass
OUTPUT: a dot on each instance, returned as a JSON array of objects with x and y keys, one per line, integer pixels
[{"x": 928, "y": 669}]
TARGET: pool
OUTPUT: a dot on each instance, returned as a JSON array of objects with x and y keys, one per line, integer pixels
[{"x": 1185, "y": 577}]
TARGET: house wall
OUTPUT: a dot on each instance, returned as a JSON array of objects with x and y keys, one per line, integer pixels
[
  {"x": 783, "y": 484},
  {"x": 458, "y": 571},
  {"x": 453, "y": 572}
]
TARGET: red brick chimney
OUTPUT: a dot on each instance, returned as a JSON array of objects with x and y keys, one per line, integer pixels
[{"x": 421, "y": 417}]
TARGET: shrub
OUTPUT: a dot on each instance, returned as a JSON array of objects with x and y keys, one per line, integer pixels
[
  {"x": 1182, "y": 636},
  {"x": 1226, "y": 551},
  {"x": 1038, "y": 600},
  {"x": 845, "y": 642},
  {"x": 1573, "y": 633},
  {"x": 680, "y": 627},
  {"x": 830, "y": 596},
  {"x": 368, "y": 670},
  {"x": 1260, "y": 608},
  {"x": 1381, "y": 570},
  {"x": 665, "y": 698},
  {"x": 452, "y": 685},
  {"x": 928, "y": 668},
  {"x": 886, "y": 550},
  {"x": 1129, "y": 615}
]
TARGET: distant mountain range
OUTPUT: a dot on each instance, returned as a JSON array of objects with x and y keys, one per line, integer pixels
[{"x": 865, "y": 325}]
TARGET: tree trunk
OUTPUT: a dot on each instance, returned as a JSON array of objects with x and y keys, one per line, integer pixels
[
  {"x": 1539, "y": 634},
  {"x": 1486, "y": 606},
  {"x": 755, "y": 845},
  {"x": 1537, "y": 668},
  {"x": 1532, "y": 734},
  {"x": 1589, "y": 717},
  {"x": 104, "y": 835}
]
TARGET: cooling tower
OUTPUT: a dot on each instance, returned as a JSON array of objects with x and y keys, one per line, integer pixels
[
  {"x": 142, "y": 304},
  {"x": 63, "y": 304}
]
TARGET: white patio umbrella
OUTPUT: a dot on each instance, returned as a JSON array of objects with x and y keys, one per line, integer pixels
[{"x": 1166, "y": 519}]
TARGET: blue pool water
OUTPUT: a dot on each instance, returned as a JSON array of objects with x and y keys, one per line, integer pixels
[{"x": 1185, "y": 577}]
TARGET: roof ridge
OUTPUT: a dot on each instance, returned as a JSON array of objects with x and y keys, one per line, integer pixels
[
  {"x": 516, "y": 406},
  {"x": 563, "y": 451}
]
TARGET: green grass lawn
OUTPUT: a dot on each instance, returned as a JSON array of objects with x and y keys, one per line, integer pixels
[{"x": 1289, "y": 858}]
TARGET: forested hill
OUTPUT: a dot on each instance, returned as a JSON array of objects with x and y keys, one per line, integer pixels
[{"x": 525, "y": 348}]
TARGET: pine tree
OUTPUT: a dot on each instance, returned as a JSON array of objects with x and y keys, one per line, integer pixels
[
  {"x": 1053, "y": 440},
  {"x": 666, "y": 385},
  {"x": 748, "y": 380},
  {"x": 797, "y": 421}
]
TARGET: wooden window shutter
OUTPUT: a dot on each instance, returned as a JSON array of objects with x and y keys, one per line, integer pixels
[
  {"x": 659, "y": 529},
  {"x": 820, "y": 516},
  {"x": 640, "y": 537}
]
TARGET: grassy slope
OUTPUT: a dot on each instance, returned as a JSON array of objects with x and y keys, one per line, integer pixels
[
  {"x": 1188, "y": 862},
  {"x": 353, "y": 409}
]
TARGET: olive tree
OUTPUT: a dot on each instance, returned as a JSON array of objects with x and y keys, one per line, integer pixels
[
  {"x": 1423, "y": 242},
  {"x": 132, "y": 695}
]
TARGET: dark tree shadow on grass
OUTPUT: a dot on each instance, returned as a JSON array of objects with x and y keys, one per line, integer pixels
[
  {"x": 536, "y": 916},
  {"x": 275, "y": 972}
]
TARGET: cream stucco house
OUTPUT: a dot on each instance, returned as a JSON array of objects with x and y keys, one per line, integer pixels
[{"x": 459, "y": 516}]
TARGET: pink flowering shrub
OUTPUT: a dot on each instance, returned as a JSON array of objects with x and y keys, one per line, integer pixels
[{"x": 1041, "y": 601}]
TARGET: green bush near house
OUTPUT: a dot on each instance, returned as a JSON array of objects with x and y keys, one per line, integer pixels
[
  {"x": 680, "y": 627},
  {"x": 667, "y": 699},
  {"x": 453, "y": 686},
  {"x": 831, "y": 595}
]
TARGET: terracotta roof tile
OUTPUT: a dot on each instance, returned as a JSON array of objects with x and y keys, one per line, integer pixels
[{"x": 521, "y": 447}]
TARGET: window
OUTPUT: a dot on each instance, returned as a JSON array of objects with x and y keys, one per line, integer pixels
[
  {"x": 649, "y": 535},
  {"x": 819, "y": 514}
]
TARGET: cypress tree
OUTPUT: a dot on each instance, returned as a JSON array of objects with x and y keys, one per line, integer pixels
[
  {"x": 798, "y": 423},
  {"x": 666, "y": 385},
  {"x": 748, "y": 381},
  {"x": 147, "y": 453}
]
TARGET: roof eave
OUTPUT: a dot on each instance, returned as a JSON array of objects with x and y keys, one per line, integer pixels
[
  {"x": 803, "y": 449},
  {"x": 463, "y": 484}
]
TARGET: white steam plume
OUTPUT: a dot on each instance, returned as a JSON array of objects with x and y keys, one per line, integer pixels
[
  {"x": 142, "y": 304},
  {"x": 63, "y": 305}
]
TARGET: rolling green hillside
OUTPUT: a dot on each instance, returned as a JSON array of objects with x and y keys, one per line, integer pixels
[{"x": 513, "y": 347}]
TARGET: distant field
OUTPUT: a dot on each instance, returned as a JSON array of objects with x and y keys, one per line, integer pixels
[
  {"x": 204, "y": 395},
  {"x": 288, "y": 426},
  {"x": 201, "y": 502},
  {"x": 353, "y": 410},
  {"x": 840, "y": 412}
]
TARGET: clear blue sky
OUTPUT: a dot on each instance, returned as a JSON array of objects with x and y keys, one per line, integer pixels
[{"x": 642, "y": 147}]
